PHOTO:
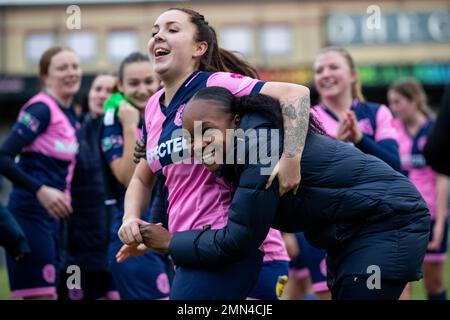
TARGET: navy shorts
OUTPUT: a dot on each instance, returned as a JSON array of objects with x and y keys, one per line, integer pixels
[
  {"x": 95, "y": 285},
  {"x": 231, "y": 281},
  {"x": 38, "y": 273},
  {"x": 139, "y": 278},
  {"x": 310, "y": 262},
  {"x": 271, "y": 281}
]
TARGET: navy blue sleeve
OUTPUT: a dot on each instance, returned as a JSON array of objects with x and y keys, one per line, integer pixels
[
  {"x": 31, "y": 122},
  {"x": 11, "y": 235},
  {"x": 437, "y": 148},
  {"x": 112, "y": 140},
  {"x": 144, "y": 133},
  {"x": 251, "y": 214},
  {"x": 386, "y": 150},
  {"x": 258, "y": 86}
]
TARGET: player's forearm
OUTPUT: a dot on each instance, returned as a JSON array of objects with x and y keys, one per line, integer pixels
[
  {"x": 139, "y": 191},
  {"x": 295, "y": 108},
  {"x": 137, "y": 198}
]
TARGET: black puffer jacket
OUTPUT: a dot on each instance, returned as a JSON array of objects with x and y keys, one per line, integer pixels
[{"x": 343, "y": 195}]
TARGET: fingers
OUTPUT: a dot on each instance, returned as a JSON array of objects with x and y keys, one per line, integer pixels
[
  {"x": 129, "y": 232},
  {"x": 273, "y": 175},
  {"x": 345, "y": 136},
  {"x": 61, "y": 208},
  {"x": 53, "y": 212},
  {"x": 124, "y": 235},
  {"x": 56, "y": 210},
  {"x": 129, "y": 239},
  {"x": 296, "y": 189},
  {"x": 19, "y": 257},
  {"x": 139, "y": 151},
  {"x": 123, "y": 254},
  {"x": 344, "y": 125},
  {"x": 136, "y": 233},
  {"x": 283, "y": 190}
]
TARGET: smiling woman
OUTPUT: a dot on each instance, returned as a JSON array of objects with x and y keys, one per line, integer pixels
[
  {"x": 186, "y": 57},
  {"x": 44, "y": 136}
]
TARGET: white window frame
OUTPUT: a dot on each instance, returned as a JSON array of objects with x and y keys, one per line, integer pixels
[
  {"x": 238, "y": 38},
  {"x": 117, "y": 51},
  {"x": 36, "y": 43},
  {"x": 84, "y": 43},
  {"x": 270, "y": 42}
]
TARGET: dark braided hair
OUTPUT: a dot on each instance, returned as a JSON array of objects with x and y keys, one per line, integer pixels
[{"x": 258, "y": 103}]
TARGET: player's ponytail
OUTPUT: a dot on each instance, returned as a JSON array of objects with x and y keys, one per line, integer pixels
[{"x": 233, "y": 63}]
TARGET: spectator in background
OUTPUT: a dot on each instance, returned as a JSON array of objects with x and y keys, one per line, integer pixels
[
  {"x": 408, "y": 102},
  {"x": 44, "y": 136},
  {"x": 87, "y": 230}
]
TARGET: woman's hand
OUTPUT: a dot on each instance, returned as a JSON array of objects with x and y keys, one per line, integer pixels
[
  {"x": 129, "y": 232},
  {"x": 156, "y": 237},
  {"x": 355, "y": 131},
  {"x": 128, "y": 115},
  {"x": 344, "y": 131},
  {"x": 438, "y": 236},
  {"x": 139, "y": 151},
  {"x": 54, "y": 201},
  {"x": 288, "y": 172},
  {"x": 130, "y": 251},
  {"x": 19, "y": 257}
]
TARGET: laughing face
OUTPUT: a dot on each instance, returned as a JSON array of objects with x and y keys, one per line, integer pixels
[
  {"x": 211, "y": 129},
  {"x": 173, "y": 48},
  {"x": 64, "y": 74},
  {"x": 332, "y": 75}
]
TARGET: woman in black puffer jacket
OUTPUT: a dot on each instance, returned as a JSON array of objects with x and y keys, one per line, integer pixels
[{"x": 370, "y": 219}]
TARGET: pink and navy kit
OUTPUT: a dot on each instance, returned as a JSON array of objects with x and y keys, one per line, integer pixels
[
  {"x": 44, "y": 136},
  {"x": 143, "y": 277},
  {"x": 377, "y": 126},
  {"x": 196, "y": 198},
  {"x": 422, "y": 176}
]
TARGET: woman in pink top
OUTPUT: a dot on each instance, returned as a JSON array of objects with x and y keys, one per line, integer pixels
[
  {"x": 192, "y": 191},
  {"x": 407, "y": 101},
  {"x": 44, "y": 136}
]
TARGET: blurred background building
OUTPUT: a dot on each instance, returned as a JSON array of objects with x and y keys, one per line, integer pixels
[{"x": 388, "y": 39}]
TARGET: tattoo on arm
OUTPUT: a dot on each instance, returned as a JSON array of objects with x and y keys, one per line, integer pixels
[{"x": 296, "y": 120}]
